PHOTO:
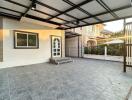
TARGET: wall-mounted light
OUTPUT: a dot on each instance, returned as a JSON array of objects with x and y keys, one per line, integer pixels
[{"x": 33, "y": 5}]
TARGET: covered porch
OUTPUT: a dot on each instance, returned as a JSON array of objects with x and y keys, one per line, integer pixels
[{"x": 84, "y": 79}]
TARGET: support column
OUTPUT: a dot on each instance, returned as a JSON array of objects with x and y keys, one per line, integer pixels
[
  {"x": 1, "y": 39},
  {"x": 124, "y": 50}
]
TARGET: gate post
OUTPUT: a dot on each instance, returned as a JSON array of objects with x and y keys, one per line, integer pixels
[{"x": 124, "y": 49}]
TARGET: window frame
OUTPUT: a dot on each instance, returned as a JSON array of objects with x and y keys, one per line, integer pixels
[{"x": 27, "y": 33}]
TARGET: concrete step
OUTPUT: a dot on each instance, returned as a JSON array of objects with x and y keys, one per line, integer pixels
[{"x": 60, "y": 60}]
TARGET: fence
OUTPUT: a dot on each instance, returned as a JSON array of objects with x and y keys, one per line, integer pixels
[
  {"x": 128, "y": 46},
  {"x": 112, "y": 49}
]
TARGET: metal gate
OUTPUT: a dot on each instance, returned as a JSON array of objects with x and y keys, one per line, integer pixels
[{"x": 128, "y": 46}]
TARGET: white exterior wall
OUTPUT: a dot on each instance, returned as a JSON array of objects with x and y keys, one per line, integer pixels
[{"x": 18, "y": 57}]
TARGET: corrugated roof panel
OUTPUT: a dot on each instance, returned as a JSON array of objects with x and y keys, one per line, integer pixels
[
  {"x": 34, "y": 13},
  {"x": 91, "y": 20},
  {"x": 105, "y": 17},
  {"x": 12, "y": 6},
  {"x": 93, "y": 7},
  {"x": 116, "y": 4},
  {"x": 58, "y": 4},
  {"x": 9, "y": 12},
  {"x": 77, "y": 13}
]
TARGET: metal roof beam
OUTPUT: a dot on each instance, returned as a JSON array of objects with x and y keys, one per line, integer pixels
[
  {"x": 81, "y": 9},
  {"x": 10, "y": 15},
  {"x": 13, "y": 2},
  {"x": 102, "y": 22},
  {"x": 27, "y": 15},
  {"x": 11, "y": 10},
  {"x": 41, "y": 19},
  {"x": 72, "y": 8},
  {"x": 106, "y": 12},
  {"x": 105, "y": 6},
  {"x": 30, "y": 6},
  {"x": 54, "y": 9}
]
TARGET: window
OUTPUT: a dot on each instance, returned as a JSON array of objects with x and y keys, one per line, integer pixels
[{"x": 25, "y": 40}]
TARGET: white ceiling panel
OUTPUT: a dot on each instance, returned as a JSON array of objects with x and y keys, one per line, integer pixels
[
  {"x": 81, "y": 23},
  {"x": 46, "y": 10},
  {"x": 72, "y": 25},
  {"x": 34, "y": 13},
  {"x": 117, "y": 3},
  {"x": 9, "y": 12},
  {"x": 12, "y": 6},
  {"x": 91, "y": 20},
  {"x": 125, "y": 12},
  {"x": 57, "y": 20},
  {"x": 24, "y": 2},
  {"x": 77, "y": 13},
  {"x": 105, "y": 17},
  {"x": 93, "y": 7},
  {"x": 65, "y": 17},
  {"x": 33, "y": 21},
  {"x": 58, "y": 4}
]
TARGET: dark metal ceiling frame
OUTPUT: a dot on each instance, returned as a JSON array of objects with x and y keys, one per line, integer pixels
[
  {"x": 81, "y": 9},
  {"x": 28, "y": 8},
  {"x": 54, "y": 9},
  {"x": 10, "y": 15},
  {"x": 24, "y": 14},
  {"x": 17, "y": 17},
  {"x": 28, "y": 16},
  {"x": 71, "y": 8},
  {"x": 102, "y": 21},
  {"x": 108, "y": 10},
  {"x": 102, "y": 13},
  {"x": 105, "y": 6},
  {"x": 17, "y": 12}
]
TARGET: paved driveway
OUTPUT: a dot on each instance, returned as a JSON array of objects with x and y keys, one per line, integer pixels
[{"x": 84, "y": 79}]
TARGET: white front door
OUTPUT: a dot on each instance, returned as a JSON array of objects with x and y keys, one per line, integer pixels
[{"x": 56, "y": 46}]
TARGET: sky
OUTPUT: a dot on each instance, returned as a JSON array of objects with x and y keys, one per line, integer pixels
[{"x": 116, "y": 26}]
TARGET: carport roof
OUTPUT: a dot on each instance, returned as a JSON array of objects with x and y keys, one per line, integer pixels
[{"x": 67, "y": 14}]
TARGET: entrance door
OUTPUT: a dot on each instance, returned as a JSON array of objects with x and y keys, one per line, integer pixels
[{"x": 56, "y": 46}]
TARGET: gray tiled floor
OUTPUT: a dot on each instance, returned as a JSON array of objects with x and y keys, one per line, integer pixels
[{"x": 84, "y": 79}]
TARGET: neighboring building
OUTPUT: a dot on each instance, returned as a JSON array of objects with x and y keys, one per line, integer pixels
[{"x": 90, "y": 34}]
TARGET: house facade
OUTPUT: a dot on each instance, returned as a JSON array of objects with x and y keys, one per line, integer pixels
[
  {"x": 23, "y": 43},
  {"x": 90, "y": 34}
]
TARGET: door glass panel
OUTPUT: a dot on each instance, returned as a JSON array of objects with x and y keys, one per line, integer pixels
[{"x": 56, "y": 47}]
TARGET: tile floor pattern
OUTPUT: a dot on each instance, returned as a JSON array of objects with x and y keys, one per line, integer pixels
[{"x": 84, "y": 79}]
